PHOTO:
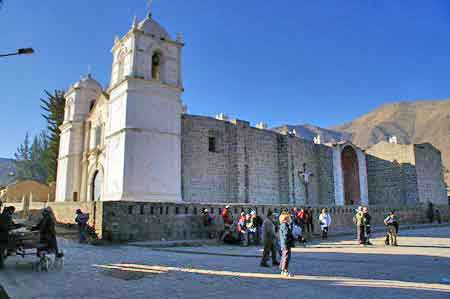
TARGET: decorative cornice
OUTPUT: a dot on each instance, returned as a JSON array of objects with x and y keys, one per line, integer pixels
[{"x": 131, "y": 78}]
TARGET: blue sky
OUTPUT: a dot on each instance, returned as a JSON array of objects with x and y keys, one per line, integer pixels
[{"x": 284, "y": 61}]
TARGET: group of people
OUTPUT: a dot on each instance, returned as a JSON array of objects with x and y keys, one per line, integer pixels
[
  {"x": 245, "y": 231},
  {"x": 46, "y": 228},
  {"x": 279, "y": 232},
  {"x": 362, "y": 219},
  {"x": 302, "y": 222}
]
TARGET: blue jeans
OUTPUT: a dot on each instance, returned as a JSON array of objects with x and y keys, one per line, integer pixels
[{"x": 82, "y": 236}]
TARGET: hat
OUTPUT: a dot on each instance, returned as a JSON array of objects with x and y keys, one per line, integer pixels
[
  {"x": 78, "y": 211},
  {"x": 227, "y": 206},
  {"x": 205, "y": 210}
]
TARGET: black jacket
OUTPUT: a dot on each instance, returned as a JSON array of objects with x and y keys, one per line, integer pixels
[{"x": 47, "y": 231}]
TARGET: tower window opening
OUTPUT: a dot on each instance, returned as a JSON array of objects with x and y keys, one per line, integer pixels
[{"x": 212, "y": 144}]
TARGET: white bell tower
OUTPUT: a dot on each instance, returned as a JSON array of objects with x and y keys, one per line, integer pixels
[{"x": 143, "y": 138}]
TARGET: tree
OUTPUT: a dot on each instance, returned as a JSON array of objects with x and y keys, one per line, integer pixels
[
  {"x": 53, "y": 107},
  {"x": 23, "y": 162},
  {"x": 39, "y": 148},
  {"x": 30, "y": 159}
]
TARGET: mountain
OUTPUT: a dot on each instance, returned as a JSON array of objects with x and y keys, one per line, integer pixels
[
  {"x": 307, "y": 131},
  {"x": 411, "y": 122},
  {"x": 7, "y": 171}
]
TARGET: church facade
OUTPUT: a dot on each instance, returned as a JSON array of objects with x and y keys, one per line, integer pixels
[{"x": 134, "y": 141}]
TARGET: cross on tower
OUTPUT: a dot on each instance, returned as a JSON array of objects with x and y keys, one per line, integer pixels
[
  {"x": 304, "y": 177},
  {"x": 149, "y": 7}
]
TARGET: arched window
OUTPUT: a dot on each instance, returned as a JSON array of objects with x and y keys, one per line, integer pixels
[
  {"x": 156, "y": 66},
  {"x": 120, "y": 66}
]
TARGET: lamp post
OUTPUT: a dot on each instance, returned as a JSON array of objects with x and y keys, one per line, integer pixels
[{"x": 22, "y": 51}]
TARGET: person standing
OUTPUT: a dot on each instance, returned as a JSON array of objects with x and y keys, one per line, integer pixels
[
  {"x": 325, "y": 221},
  {"x": 367, "y": 227},
  {"x": 310, "y": 221},
  {"x": 250, "y": 228},
  {"x": 392, "y": 223},
  {"x": 360, "y": 225},
  {"x": 81, "y": 219},
  {"x": 437, "y": 215},
  {"x": 286, "y": 242},
  {"x": 430, "y": 212},
  {"x": 268, "y": 233},
  {"x": 242, "y": 229},
  {"x": 227, "y": 218}
]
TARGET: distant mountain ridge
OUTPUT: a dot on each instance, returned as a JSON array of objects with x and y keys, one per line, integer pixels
[
  {"x": 308, "y": 131},
  {"x": 411, "y": 122},
  {"x": 7, "y": 171}
]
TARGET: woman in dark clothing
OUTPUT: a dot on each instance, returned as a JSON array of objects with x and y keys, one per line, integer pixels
[
  {"x": 286, "y": 242},
  {"x": 367, "y": 227},
  {"x": 47, "y": 232}
]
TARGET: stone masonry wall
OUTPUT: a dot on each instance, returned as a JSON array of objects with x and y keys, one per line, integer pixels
[
  {"x": 405, "y": 173},
  {"x": 318, "y": 160},
  {"x": 391, "y": 174},
  {"x": 208, "y": 176},
  {"x": 430, "y": 179},
  {"x": 128, "y": 221},
  {"x": 389, "y": 181},
  {"x": 133, "y": 221},
  {"x": 251, "y": 165}
]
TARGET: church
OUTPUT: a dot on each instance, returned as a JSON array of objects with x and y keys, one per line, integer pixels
[{"x": 134, "y": 141}]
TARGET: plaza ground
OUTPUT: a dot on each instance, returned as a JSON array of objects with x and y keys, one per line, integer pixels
[{"x": 418, "y": 268}]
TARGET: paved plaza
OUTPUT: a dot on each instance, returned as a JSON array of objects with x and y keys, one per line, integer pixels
[{"x": 334, "y": 269}]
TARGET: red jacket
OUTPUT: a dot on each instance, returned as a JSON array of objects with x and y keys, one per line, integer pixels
[{"x": 227, "y": 219}]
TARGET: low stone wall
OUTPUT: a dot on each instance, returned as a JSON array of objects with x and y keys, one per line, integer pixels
[
  {"x": 133, "y": 221},
  {"x": 128, "y": 221}
]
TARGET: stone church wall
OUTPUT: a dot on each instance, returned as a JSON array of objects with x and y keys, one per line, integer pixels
[
  {"x": 405, "y": 173},
  {"x": 208, "y": 176},
  {"x": 430, "y": 179},
  {"x": 318, "y": 159},
  {"x": 260, "y": 165},
  {"x": 251, "y": 165},
  {"x": 390, "y": 181}
]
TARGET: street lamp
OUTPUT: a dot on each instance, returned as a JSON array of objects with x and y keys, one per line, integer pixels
[{"x": 22, "y": 51}]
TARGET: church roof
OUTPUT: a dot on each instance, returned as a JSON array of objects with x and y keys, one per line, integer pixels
[
  {"x": 88, "y": 82},
  {"x": 150, "y": 26}
]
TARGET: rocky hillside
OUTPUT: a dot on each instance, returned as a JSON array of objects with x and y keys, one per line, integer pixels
[
  {"x": 7, "y": 171},
  {"x": 411, "y": 122}
]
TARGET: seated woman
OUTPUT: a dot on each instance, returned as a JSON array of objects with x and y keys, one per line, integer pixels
[{"x": 46, "y": 228}]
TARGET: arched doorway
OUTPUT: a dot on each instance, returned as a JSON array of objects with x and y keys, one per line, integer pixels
[
  {"x": 350, "y": 173},
  {"x": 96, "y": 186}
]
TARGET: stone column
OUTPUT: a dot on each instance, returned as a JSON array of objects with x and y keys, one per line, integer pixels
[{"x": 338, "y": 178}]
